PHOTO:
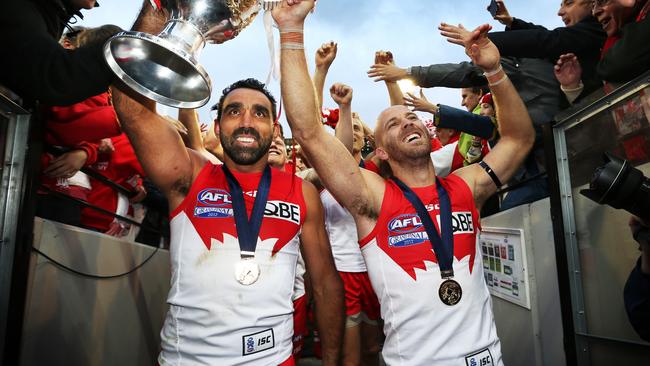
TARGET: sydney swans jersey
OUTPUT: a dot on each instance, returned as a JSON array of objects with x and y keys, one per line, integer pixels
[
  {"x": 420, "y": 329},
  {"x": 212, "y": 318},
  {"x": 342, "y": 232}
]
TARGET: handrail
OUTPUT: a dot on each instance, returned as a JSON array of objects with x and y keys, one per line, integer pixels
[
  {"x": 99, "y": 209},
  {"x": 581, "y": 112},
  {"x": 11, "y": 102}
]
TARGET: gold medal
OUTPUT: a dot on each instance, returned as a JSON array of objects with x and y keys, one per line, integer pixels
[{"x": 450, "y": 292}]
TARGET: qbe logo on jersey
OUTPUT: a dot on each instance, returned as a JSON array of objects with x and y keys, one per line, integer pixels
[
  {"x": 257, "y": 342},
  {"x": 461, "y": 222},
  {"x": 213, "y": 203}
]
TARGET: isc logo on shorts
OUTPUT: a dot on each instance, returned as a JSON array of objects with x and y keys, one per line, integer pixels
[
  {"x": 257, "y": 342},
  {"x": 481, "y": 358}
]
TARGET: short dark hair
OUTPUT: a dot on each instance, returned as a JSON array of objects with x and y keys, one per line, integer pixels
[
  {"x": 97, "y": 35},
  {"x": 249, "y": 83},
  {"x": 480, "y": 90}
]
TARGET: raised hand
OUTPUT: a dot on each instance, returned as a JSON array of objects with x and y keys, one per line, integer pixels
[
  {"x": 455, "y": 34},
  {"x": 419, "y": 103},
  {"x": 105, "y": 146},
  {"x": 568, "y": 71},
  {"x": 384, "y": 58},
  {"x": 479, "y": 48},
  {"x": 341, "y": 93},
  {"x": 292, "y": 13},
  {"x": 326, "y": 54},
  {"x": 503, "y": 16}
]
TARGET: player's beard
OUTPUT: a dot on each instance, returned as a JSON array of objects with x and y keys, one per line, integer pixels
[
  {"x": 244, "y": 155},
  {"x": 409, "y": 154}
]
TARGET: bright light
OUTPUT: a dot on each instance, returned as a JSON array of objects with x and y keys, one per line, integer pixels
[
  {"x": 164, "y": 72},
  {"x": 407, "y": 86}
]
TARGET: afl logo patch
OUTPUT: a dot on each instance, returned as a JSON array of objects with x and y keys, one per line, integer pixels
[
  {"x": 214, "y": 197},
  {"x": 406, "y": 230},
  {"x": 213, "y": 203}
]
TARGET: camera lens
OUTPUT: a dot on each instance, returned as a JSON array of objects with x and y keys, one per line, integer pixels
[{"x": 620, "y": 185}]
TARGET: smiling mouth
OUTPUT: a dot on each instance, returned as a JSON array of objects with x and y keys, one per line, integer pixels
[
  {"x": 604, "y": 22},
  {"x": 412, "y": 137},
  {"x": 245, "y": 139}
]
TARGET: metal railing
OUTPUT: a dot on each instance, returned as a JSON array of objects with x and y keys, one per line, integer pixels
[{"x": 595, "y": 249}]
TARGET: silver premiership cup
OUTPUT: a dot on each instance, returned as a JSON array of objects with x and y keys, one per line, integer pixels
[{"x": 164, "y": 67}]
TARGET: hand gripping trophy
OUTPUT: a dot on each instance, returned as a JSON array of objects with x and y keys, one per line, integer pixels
[{"x": 164, "y": 67}]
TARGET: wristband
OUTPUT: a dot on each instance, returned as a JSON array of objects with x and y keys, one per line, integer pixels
[
  {"x": 292, "y": 40},
  {"x": 291, "y": 30},
  {"x": 504, "y": 78},
  {"x": 487, "y": 74},
  {"x": 292, "y": 46}
]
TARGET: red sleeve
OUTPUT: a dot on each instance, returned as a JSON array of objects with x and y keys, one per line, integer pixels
[
  {"x": 435, "y": 144},
  {"x": 371, "y": 166},
  {"x": 91, "y": 120},
  {"x": 91, "y": 151}
]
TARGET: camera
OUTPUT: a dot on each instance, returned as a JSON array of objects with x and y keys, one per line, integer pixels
[{"x": 620, "y": 185}]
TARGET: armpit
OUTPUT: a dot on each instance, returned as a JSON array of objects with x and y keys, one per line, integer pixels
[{"x": 364, "y": 208}]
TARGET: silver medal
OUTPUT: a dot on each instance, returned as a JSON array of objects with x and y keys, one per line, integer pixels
[{"x": 247, "y": 271}]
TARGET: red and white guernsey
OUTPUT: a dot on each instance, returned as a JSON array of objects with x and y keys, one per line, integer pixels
[
  {"x": 212, "y": 318},
  {"x": 403, "y": 269},
  {"x": 342, "y": 232}
]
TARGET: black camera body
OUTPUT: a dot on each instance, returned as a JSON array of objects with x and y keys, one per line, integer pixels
[{"x": 620, "y": 185}]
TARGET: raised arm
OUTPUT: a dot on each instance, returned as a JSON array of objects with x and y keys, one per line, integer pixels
[
  {"x": 157, "y": 144},
  {"x": 342, "y": 95},
  {"x": 584, "y": 39},
  {"x": 325, "y": 280},
  {"x": 515, "y": 125},
  {"x": 337, "y": 168},
  {"x": 325, "y": 55},
  {"x": 394, "y": 91}
]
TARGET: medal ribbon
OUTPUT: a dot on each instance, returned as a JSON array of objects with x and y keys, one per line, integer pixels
[
  {"x": 443, "y": 247},
  {"x": 248, "y": 230}
]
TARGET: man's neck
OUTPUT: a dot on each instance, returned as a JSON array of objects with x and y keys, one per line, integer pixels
[{"x": 419, "y": 173}]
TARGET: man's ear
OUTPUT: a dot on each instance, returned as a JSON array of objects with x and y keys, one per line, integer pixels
[
  {"x": 276, "y": 130},
  {"x": 381, "y": 154},
  {"x": 216, "y": 128}
]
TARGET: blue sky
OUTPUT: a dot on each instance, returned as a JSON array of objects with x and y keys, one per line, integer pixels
[{"x": 408, "y": 28}]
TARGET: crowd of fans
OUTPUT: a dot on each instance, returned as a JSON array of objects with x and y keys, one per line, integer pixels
[
  {"x": 551, "y": 69},
  {"x": 91, "y": 177}
]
